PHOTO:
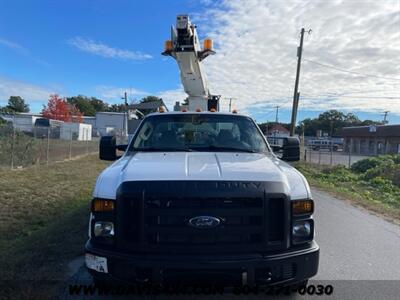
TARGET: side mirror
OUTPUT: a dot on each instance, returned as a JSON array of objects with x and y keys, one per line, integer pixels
[
  {"x": 108, "y": 148},
  {"x": 291, "y": 149}
]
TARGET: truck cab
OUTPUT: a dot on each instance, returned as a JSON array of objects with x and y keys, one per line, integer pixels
[{"x": 201, "y": 197}]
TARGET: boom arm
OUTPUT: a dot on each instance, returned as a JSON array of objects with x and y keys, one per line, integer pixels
[{"x": 185, "y": 47}]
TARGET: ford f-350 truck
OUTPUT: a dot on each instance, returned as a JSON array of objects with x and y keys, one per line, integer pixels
[{"x": 201, "y": 196}]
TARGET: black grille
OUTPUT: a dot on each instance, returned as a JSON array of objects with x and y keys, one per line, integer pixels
[
  {"x": 167, "y": 220},
  {"x": 154, "y": 216}
]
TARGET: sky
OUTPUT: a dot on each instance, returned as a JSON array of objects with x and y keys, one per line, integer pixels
[{"x": 351, "y": 57}]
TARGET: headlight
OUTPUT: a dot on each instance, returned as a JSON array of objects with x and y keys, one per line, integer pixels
[
  {"x": 104, "y": 229},
  {"x": 302, "y": 231}
]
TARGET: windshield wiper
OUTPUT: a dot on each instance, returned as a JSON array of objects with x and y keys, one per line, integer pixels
[
  {"x": 162, "y": 149},
  {"x": 230, "y": 149}
]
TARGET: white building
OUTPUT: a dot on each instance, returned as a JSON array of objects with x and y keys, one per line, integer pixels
[
  {"x": 22, "y": 121},
  {"x": 109, "y": 123},
  {"x": 76, "y": 131}
]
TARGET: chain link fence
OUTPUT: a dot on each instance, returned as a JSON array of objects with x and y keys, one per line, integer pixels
[
  {"x": 329, "y": 153},
  {"x": 41, "y": 145}
]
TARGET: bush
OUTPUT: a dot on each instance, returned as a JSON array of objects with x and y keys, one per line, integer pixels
[
  {"x": 386, "y": 167},
  {"x": 338, "y": 173},
  {"x": 364, "y": 165}
]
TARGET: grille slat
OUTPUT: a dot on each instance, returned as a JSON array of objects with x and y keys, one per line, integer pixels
[
  {"x": 197, "y": 212},
  {"x": 152, "y": 215}
]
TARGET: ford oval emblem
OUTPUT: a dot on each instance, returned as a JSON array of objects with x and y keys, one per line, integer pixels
[{"x": 204, "y": 222}]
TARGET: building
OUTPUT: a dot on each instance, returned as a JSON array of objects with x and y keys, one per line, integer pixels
[
  {"x": 278, "y": 130},
  {"x": 372, "y": 140},
  {"x": 76, "y": 131},
  {"x": 148, "y": 107},
  {"x": 22, "y": 121},
  {"x": 110, "y": 123}
]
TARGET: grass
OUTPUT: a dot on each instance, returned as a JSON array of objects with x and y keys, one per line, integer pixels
[
  {"x": 377, "y": 195},
  {"x": 43, "y": 224}
]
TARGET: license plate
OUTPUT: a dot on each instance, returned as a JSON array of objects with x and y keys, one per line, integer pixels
[{"x": 96, "y": 263}]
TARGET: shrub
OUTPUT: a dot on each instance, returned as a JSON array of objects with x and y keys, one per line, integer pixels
[{"x": 364, "y": 165}]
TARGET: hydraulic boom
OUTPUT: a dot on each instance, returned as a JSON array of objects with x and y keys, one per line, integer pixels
[{"x": 185, "y": 47}]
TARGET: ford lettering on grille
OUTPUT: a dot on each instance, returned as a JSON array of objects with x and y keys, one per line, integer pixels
[{"x": 204, "y": 222}]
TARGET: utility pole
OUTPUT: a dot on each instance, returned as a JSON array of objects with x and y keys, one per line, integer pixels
[
  {"x": 230, "y": 103},
  {"x": 385, "y": 113},
  {"x": 277, "y": 112},
  {"x": 296, "y": 94},
  {"x": 125, "y": 125}
]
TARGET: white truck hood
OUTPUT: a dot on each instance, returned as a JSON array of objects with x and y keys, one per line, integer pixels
[{"x": 220, "y": 166}]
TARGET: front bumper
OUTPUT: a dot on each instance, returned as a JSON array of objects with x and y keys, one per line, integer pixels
[{"x": 230, "y": 270}]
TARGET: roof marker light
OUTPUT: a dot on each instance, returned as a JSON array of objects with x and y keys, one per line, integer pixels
[
  {"x": 208, "y": 44},
  {"x": 168, "y": 46}
]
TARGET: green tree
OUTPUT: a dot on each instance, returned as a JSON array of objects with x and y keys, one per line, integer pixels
[
  {"x": 16, "y": 104},
  {"x": 149, "y": 99},
  {"x": 117, "y": 108},
  {"x": 186, "y": 101},
  {"x": 88, "y": 105},
  {"x": 98, "y": 105},
  {"x": 331, "y": 122}
]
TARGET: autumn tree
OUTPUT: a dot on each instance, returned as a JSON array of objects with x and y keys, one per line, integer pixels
[{"x": 59, "y": 109}]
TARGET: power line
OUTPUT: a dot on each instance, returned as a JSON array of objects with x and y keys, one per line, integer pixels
[
  {"x": 356, "y": 97},
  {"x": 351, "y": 72}
]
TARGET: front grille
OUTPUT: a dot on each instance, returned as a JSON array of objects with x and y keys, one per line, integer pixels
[
  {"x": 167, "y": 220},
  {"x": 154, "y": 216}
]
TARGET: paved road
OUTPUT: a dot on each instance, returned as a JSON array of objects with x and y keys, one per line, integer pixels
[{"x": 358, "y": 251}]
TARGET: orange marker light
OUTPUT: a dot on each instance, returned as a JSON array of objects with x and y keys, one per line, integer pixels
[
  {"x": 198, "y": 109},
  {"x": 101, "y": 205},
  {"x": 213, "y": 110},
  {"x": 208, "y": 44},
  {"x": 168, "y": 46},
  {"x": 161, "y": 109},
  {"x": 302, "y": 207}
]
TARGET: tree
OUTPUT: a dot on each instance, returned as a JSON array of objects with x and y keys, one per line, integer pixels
[
  {"x": 146, "y": 100},
  {"x": 59, "y": 109},
  {"x": 149, "y": 99},
  {"x": 16, "y": 104},
  {"x": 98, "y": 105},
  {"x": 117, "y": 108},
  {"x": 83, "y": 104},
  {"x": 186, "y": 101},
  {"x": 331, "y": 122},
  {"x": 88, "y": 105}
]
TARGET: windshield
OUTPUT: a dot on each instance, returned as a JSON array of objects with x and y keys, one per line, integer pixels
[{"x": 197, "y": 132}]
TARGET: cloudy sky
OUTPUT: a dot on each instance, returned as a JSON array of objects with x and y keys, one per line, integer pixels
[{"x": 351, "y": 58}]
